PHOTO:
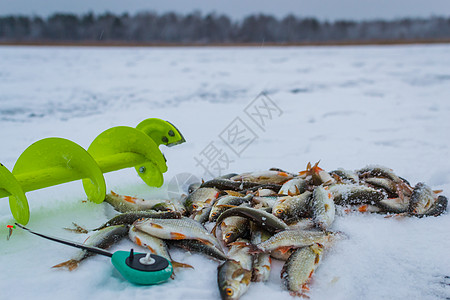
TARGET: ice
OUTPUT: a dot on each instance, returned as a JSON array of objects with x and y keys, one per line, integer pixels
[{"x": 348, "y": 107}]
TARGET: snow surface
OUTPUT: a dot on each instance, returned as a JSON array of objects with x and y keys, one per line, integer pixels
[{"x": 345, "y": 106}]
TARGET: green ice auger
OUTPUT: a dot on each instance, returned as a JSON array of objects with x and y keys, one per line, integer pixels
[{"x": 53, "y": 161}]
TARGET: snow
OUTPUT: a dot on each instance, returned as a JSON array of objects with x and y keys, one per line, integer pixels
[{"x": 346, "y": 106}]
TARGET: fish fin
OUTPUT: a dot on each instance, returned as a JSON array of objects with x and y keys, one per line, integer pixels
[
  {"x": 176, "y": 264},
  {"x": 363, "y": 208},
  {"x": 71, "y": 264},
  {"x": 177, "y": 236},
  {"x": 77, "y": 229},
  {"x": 284, "y": 249},
  {"x": 150, "y": 248},
  {"x": 299, "y": 294},
  {"x": 438, "y": 191},
  {"x": 233, "y": 193},
  {"x": 156, "y": 226},
  {"x": 114, "y": 194},
  {"x": 247, "y": 277},
  {"x": 213, "y": 230},
  {"x": 239, "y": 244},
  {"x": 226, "y": 205},
  {"x": 206, "y": 242},
  {"x": 397, "y": 216}
]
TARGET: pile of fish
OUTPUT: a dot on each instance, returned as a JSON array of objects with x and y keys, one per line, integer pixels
[{"x": 257, "y": 216}]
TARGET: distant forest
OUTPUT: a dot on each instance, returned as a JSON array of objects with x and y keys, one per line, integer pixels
[{"x": 195, "y": 28}]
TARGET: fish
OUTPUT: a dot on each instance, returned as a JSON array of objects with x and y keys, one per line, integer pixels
[
  {"x": 103, "y": 239},
  {"x": 378, "y": 171},
  {"x": 228, "y": 184},
  {"x": 317, "y": 175},
  {"x": 298, "y": 270},
  {"x": 233, "y": 228},
  {"x": 263, "y": 177},
  {"x": 199, "y": 247},
  {"x": 124, "y": 203},
  {"x": 394, "y": 205},
  {"x": 224, "y": 203},
  {"x": 323, "y": 207},
  {"x": 262, "y": 262},
  {"x": 292, "y": 207},
  {"x": 155, "y": 245},
  {"x": 129, "y": 218},
  {"x": 295, "y": 186},
  {"x": 240, "y": 252},
  {"x": 194, "y": 186},
  {"x": 202, "y": 215},
  {"x": 422, "y": 199},
  {"x": 233, "y": 280},
  {"x": 264, "y": 219},
  {"x": 234, "y": 276},
  {"x": 344, "y": 176},
  {"x": 176, "y": 229},
  {"x": 291, "y": 239},
  {"x": 200, "y": 198},
  {"x": 351, "y": 194},
  {"x": 439, "y": 207}
]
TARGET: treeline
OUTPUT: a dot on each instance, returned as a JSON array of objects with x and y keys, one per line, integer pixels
[{"x": 151, "y": 27}]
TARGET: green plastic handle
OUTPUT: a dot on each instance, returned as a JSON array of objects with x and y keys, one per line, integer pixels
[
  {"x": 9, "y": 186},
  {"x": 139, "y": 277}
]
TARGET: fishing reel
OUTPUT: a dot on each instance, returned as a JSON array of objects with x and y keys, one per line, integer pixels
[{"x": 137, "y": 268}]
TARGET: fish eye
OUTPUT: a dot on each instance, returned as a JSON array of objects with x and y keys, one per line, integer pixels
[
  {"x": 229, "y": 291},
  {"x": 194, "y": 206},
  {"x": 279, "y": 211},
  {"x": 214, "y": 214},
  {"x": 228, "y": 235}
]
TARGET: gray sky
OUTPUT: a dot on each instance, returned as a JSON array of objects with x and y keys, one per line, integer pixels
[{"x": 237, "y": 9}]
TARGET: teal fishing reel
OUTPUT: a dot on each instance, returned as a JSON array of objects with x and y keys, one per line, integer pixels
[{"x": 137, "y": 268}]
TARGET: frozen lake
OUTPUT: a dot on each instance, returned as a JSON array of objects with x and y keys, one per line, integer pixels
[{"x": 345, "y": 106}]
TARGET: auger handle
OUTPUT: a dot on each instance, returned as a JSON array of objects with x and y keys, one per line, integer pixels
[{"x": 54, "y": 161}]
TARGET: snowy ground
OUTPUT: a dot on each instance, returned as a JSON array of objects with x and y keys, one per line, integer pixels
[{"x": 345, "y": 106}]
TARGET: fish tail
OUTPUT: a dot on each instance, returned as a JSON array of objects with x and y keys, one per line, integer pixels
[
  {"x": 177, "y": 264},
  {"x": 71, "y": 264}
]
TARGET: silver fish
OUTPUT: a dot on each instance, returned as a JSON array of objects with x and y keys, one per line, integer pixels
[
  {"x": 264, "y": 219},
  {"x": 233, "y": 280},
  {"x": 262, "y": 177},
  {"x": 176, "y": 229},
  {"x": 295, "y": 186},
  {"x": 233, "y": 228},
  {"x": 262, "y": 261},
  {"x": 317, "y": 175},
  {"x": 199, "y": 247},
  {"x": 200, "y": 198},
  {"x": 226, "y": 202},
  {"x": 103, "y": 239},
  {"x": 323, "y": 207},
  {"x": 422, "y": 199},
  {"x": 124, "y": 203},
  {"x": 292, "y": 206},
  {"x": 344, "y": 176},
  {"x": 350, "y": 194},
  {"x": 289, "y": 239},
  {"x": 299, "y": 268}
]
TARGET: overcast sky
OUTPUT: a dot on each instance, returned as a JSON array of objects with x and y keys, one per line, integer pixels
[{"x": 237, "y": 9}]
